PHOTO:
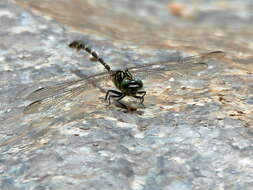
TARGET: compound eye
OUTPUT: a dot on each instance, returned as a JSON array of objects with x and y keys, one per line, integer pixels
[
  {"x": 125, "y": 83},
  {"x": 139, "y": 82}
]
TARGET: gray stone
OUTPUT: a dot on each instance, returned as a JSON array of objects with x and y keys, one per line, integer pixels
[{"x": 194, "y": 131}]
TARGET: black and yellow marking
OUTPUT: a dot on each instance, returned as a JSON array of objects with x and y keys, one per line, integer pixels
[{"x": 79, "y": 45}]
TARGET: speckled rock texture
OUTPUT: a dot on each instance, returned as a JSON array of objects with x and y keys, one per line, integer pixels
[{"x": 195, "y": 129}]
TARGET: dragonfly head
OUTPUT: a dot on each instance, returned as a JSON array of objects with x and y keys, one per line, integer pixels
[
  {"x": 127, "y": 83},
  {"x": 131, "y": 86}
]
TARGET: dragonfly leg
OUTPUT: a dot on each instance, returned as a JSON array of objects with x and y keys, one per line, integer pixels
[
  {"x": 112, "y": 94},
  {"x": 122, "y": 104},
  {"x": 115, "y": 94},
  {"x": 141, "y": 97}
]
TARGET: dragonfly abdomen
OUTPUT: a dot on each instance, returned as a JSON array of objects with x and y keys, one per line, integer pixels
[{"x": 78, "y": 45}]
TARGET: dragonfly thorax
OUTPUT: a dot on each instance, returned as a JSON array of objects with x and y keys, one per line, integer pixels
[{"x": 126, "y": 83}]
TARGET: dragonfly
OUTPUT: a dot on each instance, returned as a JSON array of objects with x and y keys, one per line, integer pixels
[{"x": 124, "y": 80}]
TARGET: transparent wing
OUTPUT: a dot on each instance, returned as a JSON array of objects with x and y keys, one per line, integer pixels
[
  {"x": 202, "y": 57},
  {"x": 51, "y": 96},
  {"x": 188, "y": 63},
  {"x": 47, "y": 103},
  {"x": 59, "y": 88}
]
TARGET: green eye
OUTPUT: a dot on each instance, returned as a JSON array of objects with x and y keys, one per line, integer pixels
[
  {"x": 125, "y": 83},
  {"x": 139, "y": 82}
]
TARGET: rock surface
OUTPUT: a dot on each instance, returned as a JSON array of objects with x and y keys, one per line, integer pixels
[{"x": 195, "y": 131}]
